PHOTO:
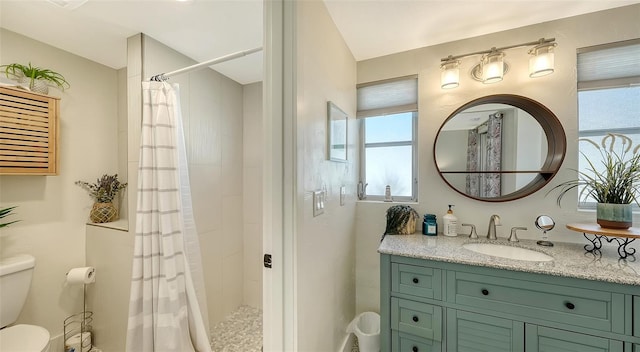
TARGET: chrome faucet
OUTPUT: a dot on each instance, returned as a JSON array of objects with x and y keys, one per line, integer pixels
[{"x": 494, "y": 221}]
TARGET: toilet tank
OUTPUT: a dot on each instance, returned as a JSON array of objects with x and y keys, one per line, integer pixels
[{"x": 15, "y": 281}]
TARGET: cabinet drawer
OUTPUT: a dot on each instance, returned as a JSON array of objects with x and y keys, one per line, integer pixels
[
  {"x": 402, "y": 342},
  {"x": 416, "y": 318},
  {"x": 416, "y": 280},
  {"x": 636, "y": 317},
  {"x": 563, "y": 304}
]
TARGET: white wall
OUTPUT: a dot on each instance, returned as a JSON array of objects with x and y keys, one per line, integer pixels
[
  {"x": 556, "y": 91},
  {"x": 325, "y": 251},
  {"x": 52, "y": 209}
]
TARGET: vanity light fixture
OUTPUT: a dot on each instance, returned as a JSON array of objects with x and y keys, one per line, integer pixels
[
  {"x": 541, "y": 62},
  {"x": 450, "y": 75},
  {"x": 492, "y": 66}
]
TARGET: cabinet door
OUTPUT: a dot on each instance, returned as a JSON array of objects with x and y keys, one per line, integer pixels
[
  {"x": 471, "y": 332},
  {"x": 543, "y": 339}
]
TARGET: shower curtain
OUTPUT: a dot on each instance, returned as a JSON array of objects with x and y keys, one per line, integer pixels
[
  {"x": 167, "y": 308},
  {"x": 484, "y": 153}
]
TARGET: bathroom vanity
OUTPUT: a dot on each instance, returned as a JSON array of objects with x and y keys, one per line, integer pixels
[{"x": 438, "y": 296}]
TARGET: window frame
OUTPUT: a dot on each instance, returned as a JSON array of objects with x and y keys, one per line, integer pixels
[
  {"x": 601, "y": 85},
  {"x": 414, "y": 157}
]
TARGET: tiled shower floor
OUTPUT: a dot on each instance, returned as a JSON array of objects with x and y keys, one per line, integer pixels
[{"x": 241, "y": 331}]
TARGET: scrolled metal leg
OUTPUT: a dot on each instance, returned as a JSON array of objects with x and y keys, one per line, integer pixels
[
  {"x": 623, "y": 252},
  {"x": 596, "y": 243}
]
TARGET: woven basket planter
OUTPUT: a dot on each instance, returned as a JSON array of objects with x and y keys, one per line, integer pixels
[
  {"x": 37, "y": 86},
  {"x": 103, "y": 212}
]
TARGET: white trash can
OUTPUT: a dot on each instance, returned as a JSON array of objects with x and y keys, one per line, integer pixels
[{"x": 366, "y": 326}]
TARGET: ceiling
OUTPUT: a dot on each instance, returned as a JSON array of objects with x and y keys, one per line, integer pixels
[{"x": 207, "y": 29}]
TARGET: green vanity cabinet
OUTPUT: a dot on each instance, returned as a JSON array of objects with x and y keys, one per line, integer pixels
[{"x": 428, "y": 305}]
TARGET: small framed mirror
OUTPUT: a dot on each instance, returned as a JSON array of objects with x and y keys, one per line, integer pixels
[
  {"x": 499, "y": 148},
  {"x": 337, "y": 133},
  {"x": 545, "y": 223}
]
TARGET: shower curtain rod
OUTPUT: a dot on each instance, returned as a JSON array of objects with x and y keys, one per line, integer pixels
[{"x": 164, "y": 76}]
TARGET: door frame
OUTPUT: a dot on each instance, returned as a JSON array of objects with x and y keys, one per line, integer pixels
[{"x": 279, "y": 175}]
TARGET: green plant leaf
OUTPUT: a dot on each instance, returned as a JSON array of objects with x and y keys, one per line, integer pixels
[
  {"x": 16, "y": 70},
  {"x": 7, "y": 212},
  {"x": 619, "y": 180}
]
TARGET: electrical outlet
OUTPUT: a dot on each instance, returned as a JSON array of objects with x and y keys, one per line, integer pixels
[
  {"x": 318, "y": 202},
  {"x": 343, "y": 194}
]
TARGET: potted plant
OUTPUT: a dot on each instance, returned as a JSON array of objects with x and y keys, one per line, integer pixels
[
  {"x": 38, "y": 79},
  {"x": 4, "y": 213},
  {"x": 103, "y": 192},
  {"x": 614, "y": 182}
]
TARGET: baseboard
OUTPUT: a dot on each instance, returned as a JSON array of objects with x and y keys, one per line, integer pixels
[{"x": 347, "y": 343}]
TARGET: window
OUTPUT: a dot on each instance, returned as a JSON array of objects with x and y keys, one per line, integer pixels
[
  {"x": 388, "y": 127},
  {"x": 608, "y": 96}
]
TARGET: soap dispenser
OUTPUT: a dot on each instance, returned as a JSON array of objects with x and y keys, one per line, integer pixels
[{"x": 450, "y": 223}]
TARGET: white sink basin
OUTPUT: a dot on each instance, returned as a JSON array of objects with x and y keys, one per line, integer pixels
[{"x": 498, "y": 250}]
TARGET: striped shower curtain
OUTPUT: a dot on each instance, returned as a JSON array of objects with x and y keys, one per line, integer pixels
[{"x": 167, "y": 308}]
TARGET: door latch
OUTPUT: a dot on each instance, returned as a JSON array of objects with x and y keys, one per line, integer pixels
[{"x": 266, "y": 260}]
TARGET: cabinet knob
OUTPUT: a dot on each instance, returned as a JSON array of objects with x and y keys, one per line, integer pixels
[
  {"x": 415, "y": 280},
  {"x": 415, "y": 349},
  {"x": 415, "y": 318},
  {"x": 485, "y": 292},
  {"x": 569, "y": 305}
]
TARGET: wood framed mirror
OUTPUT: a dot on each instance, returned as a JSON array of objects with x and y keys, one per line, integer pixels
[{"x": 499, "y": 148}]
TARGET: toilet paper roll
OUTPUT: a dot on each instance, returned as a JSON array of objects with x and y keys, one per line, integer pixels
[
  {"x": 84, "y": 275},
  {"x": 77, "y": 344}
]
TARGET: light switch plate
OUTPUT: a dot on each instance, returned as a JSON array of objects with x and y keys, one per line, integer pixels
[
  {"x": 318, "y": 203},
  {"x": 343, "y": 194}
]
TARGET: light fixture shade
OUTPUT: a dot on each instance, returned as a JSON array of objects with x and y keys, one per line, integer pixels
[
  {"x": 493, "y": 67},
  {"x": 542, "y": 61},
  {"x": 450, "y": 75}
]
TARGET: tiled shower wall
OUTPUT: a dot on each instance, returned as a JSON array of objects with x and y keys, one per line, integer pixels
[{"x": 252, "y": 194}]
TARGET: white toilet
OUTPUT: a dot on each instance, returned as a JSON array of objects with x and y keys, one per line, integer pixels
[{"x": 15, "y": 281}]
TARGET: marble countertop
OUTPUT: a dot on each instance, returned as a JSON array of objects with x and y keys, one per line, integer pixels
[{"x": 570, "y": 259}]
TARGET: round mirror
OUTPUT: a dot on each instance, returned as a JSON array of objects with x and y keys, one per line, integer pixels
[
  {"x": 545, "y": 223},
  {"x": 499, "y": 148}
]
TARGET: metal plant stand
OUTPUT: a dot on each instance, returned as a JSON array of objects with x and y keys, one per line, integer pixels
[{"x": 622, "y": 237}]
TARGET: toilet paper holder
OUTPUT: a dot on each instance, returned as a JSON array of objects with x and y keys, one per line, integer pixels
[
  {"x": 77, "y": 327},
  {"x": 78, "y": 331}
]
